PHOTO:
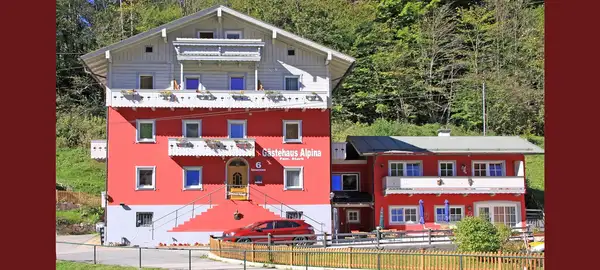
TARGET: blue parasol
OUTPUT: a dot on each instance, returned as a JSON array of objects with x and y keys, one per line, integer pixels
[
  {"x": 447, "y": 211},
  {"x": 421, "y": 212},
  {"x": 381, "y": 220}
]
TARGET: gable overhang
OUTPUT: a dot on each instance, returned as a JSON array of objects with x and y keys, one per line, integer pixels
[{"x": 97, "y": 61}]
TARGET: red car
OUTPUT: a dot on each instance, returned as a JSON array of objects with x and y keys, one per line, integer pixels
[{"x": 257, "y": 232}]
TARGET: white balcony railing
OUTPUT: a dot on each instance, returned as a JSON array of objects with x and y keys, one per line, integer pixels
[
  {"x": 214, "y": 147},
  {"x": 133, "y": 98},
  {"x": 453, "y": 185},
  {"x": 338, "y": 150},
  {"x": 98, "y": 149},
  {"x": 218, "y": 49}
]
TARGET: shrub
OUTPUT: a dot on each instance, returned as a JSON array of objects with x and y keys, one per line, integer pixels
[
  {"x": 474, "y": 234},
  {"x": 76, "y": 130}
]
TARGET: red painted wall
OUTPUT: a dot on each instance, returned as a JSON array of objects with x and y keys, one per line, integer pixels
[
  {"x": 366, "y": 220},
  {"x": 430, "y": 168},
  {"x": 266, "y": 127}
]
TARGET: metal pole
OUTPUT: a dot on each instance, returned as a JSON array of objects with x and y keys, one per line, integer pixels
[
  {"x": 483, "y": 111},
  {"x": 244, "y": 260},
  {"x": 140, "y": 258},
  {"x": 190, "y": 259},
  {"x": 460, "y": 262},
  {"x": 94, "y": 254},
  {"x": 176, "y": 217},
  {"x": 306, "y": 260},
  {"x": 378, "y": 261},
  {"x": 193, "y": 208}
]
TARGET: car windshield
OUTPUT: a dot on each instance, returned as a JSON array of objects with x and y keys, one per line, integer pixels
[{"x": 251, "y": 225}]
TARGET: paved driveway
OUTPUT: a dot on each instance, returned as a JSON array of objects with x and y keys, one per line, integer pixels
[{"x": 158, "y": 258}]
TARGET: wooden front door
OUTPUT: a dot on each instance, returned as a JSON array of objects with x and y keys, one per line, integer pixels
[{"x": 237, "y": 180}]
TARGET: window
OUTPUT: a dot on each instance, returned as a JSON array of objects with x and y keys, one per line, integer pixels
[
  {"x": 293, "y": 215},
  {"x": 236, "y": 83},
  {"x": 148, "y": 49},
  {"x": 206, "y": 34},
  {"x": 145, "y": 177},
  {"x": 145, "y": 131},
  {"x": 192, "y": 177},
  {"x": 447, "y": 168},
  {"x": 456, "y": 213},
  {"x": 266, "y": 226},
  {"x": 405, "y": 168},
  {"x": 291, "y": 52},
  {"x": 292, "y": 131},
  {"x": 350, "y": 182},
  {"x": 491, "y": 168},
  {"x": 192, "y": 128},
  {"x": 192, "y": 83},
  {"x": 236, "y": 129},
  {"x": 353, "y": 216},
  {"x": 499, "y": 213},
  {"x": 282, "y": 224},
  {"x": 292, "y": 83},
  {"x": 292, "y": 177},
  {"x": 146, "y": 82},
  {"x": 233, "y": 34},
  {"x": 403, "y": 214},
  {"x": 143, "y": 219}
]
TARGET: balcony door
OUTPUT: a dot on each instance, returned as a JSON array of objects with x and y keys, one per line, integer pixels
[{"x": 237, "y": 179}]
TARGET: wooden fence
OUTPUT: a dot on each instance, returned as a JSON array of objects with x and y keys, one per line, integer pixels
[
  {"x": 374, "y": 259},
  {"x": 78, "y": 198}
]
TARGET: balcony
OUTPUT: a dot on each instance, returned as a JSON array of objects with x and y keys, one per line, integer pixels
[
  {"x": 453, "y": 185},
  {"x": 239, "y": 50},
  {"x": 224, "y": 99},
  {"x": 98, "y": 149},
  {"x": 202, "y": 147}
]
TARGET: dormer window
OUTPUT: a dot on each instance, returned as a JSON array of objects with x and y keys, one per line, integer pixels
[
  {"x": 291, "y": 52},
  {"x": 149, "y": 49}
]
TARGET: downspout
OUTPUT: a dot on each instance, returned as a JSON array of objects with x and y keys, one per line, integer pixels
[{"x": 375, "y": 210}]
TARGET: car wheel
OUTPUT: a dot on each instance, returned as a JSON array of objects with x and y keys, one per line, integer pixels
[
  {"x": 301, "y": 239},
  {"x": 244, "y": 240}
]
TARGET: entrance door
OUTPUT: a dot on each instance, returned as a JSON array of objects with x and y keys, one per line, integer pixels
[{"x": 237, "y": 179}]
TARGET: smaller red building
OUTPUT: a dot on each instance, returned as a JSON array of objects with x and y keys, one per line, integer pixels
[{"x": 419, "y": 182}]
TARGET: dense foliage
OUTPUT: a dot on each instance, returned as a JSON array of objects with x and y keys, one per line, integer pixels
[
  {"x": 474, "y": 234},
  {"x": 418, "y": 61}
]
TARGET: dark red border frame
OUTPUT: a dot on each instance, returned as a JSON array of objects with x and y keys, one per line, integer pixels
[
  {"x": 28, "y": 167},
  {"x": 572, "y": 183}
]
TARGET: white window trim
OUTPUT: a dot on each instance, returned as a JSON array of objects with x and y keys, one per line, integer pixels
[
  {"x": 237, "y": 76},
  {"x": 299, "y": 123},
  {"x": 192, "y": 77},
  {"x": 436, "y": 207},
  {"x": 233, "y": 32},
  {"x": 492, "y": 204},
  {"x": 404, "y": 214},
  {"x": 357, "y": 216},
  {"x": 137, "y": 130},
  {"x": 145, "y": 75},
  {"x": 244, "y": 122},
  {"x": 185, "y": 186},
  {"x": 291, "y": 76},
  {"x": 487, "y": 166},
  {"x": 446, "y": 161},
  {"x": 204, "y": 31},
  {"x": 184, "y": 130},
  {"x": 341, "y": 174},
  {"x": 285, "y": 186},
  {"x": 404, "y": 162},
  {"x": 137, "y": 178}
]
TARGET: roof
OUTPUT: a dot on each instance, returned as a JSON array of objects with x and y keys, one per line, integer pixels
[
  {"x": 369, "y": 145},
  {"x": 96, "y": 62}
]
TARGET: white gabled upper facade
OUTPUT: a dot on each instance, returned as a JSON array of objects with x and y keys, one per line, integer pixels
[{"x": 218, "y": 58}]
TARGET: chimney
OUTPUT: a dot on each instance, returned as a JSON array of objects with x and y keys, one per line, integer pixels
[{"x": 443, "y": 132}]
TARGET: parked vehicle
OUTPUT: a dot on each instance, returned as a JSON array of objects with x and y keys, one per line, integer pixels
[{"x": 285, "y": 230}]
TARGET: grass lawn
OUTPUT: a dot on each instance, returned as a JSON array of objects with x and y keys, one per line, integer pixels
[
  {"x": 76, "y": 216},
  {"x": 76, "y": 169},
  {"x": 64, "y": 265}
]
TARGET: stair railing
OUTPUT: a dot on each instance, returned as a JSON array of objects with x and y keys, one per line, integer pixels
[
  {"x": 177, "y": 211},
  {"x": 281, "y": 204}
]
